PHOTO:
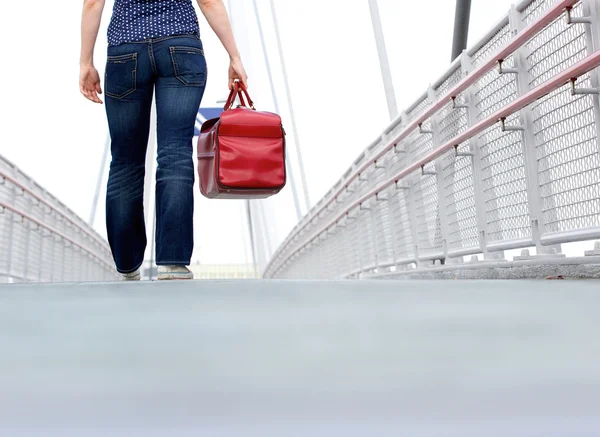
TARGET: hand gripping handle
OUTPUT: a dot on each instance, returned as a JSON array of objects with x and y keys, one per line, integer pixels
[{"x": 240, "y": 90}]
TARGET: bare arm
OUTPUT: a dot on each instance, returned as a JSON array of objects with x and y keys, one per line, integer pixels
[
  {"x": 89, "y": 79},
  {"x": 90, "y": 24},
  {"x": 216, "y": 15}
]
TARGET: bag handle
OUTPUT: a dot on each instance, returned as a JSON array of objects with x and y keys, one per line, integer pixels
[
  {"x": 230, "y": 100},
  {"x": 240, "y": 90},
  {"x": 245, "y": 92}
]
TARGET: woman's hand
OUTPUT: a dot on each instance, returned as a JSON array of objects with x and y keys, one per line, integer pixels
[
  {"x": 89, "y": 79},
  {"x": 236, "y": 71},
  {"x": 89, "y": 83}
]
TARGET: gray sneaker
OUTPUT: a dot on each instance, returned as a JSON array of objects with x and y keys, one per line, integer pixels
[
  {"x": 133, "y": 276},
  {"x": 167, "y": 273}
]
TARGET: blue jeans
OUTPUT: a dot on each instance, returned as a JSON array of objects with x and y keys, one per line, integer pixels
[{"x": 176, "y": 68}]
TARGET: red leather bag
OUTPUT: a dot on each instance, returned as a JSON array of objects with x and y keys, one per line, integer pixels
[{"x": 241, "y": 154}]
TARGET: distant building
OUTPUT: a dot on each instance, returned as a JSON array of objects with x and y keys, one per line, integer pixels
[{"x": 223, "y": 271}]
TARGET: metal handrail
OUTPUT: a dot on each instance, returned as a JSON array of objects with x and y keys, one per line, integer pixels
[
  {"x": 40, "y": 199},
  {"x": 522, "y": 37},
  {"x": 364, "y": 163},
  {"x": 582, "y": 67},
  {"x": 55, "y": 232}
]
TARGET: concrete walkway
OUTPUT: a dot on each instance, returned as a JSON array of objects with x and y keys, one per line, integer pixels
[{"x": 381, "y": 358}]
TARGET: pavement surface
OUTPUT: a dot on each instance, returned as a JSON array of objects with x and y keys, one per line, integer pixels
[{"x": 276, "y": 358}]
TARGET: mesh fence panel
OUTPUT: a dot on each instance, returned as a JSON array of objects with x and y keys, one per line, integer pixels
[
  {"x": 42, "y": 240},
  {"x": 565, "y": 130},
  {"x": 535, "y": 9}
]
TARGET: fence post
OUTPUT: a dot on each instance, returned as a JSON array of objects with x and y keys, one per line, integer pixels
[
  {"x": 529, "y": 146},
  {"x": 388, "y": 201},
  {"x": 439, "y": 177},
  {"x": 29, "y": 230},
  {"x": 53, "y": 238},
  {"x": 31, "y": 227},
  {"x": 42, "y": 238},
  {"x": 591, "y": 8},
  {"x": 11, "y": 229},
  {"x": 411, "y": 204},
  {"x": 476, "y": 159},
  {"x": 4, "y": 236},
  {"x": 592, "y": 33},
  {"x": 372, "y": 223}
]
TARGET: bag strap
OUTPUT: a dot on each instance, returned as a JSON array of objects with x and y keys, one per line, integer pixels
[{"x": 240, "y": 91}]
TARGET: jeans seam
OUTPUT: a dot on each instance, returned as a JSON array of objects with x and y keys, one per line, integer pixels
[{"x": 152, "y": 60}]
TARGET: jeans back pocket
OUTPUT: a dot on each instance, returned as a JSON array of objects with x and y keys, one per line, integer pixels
[
  {"x": 189, "y": 65},
  {"x": 120, "y": 76}
]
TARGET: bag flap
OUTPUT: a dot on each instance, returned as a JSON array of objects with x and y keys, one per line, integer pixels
[
  {"x": 208, "y": 125},
  {"x": 245, "y": 122}
]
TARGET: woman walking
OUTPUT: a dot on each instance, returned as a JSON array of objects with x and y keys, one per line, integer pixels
[{"x": 154, "y": 47}]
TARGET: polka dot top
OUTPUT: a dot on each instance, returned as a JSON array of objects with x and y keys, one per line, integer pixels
[{"x": 139, "y": 20}]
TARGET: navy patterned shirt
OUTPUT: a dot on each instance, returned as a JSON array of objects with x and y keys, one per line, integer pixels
[{"x": 139, "y": 20}]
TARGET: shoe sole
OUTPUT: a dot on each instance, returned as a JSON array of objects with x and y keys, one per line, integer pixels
[
  {"x": 175, "y": 277},
  {"x": 134, "y": 278}
]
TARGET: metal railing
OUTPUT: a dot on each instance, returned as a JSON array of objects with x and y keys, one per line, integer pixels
[
  {"x": 501, "y": 153},
  {"x": 41, "y": 240}
]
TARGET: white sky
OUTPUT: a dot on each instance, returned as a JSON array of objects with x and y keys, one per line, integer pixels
[{"x": 56, "y": 136}]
